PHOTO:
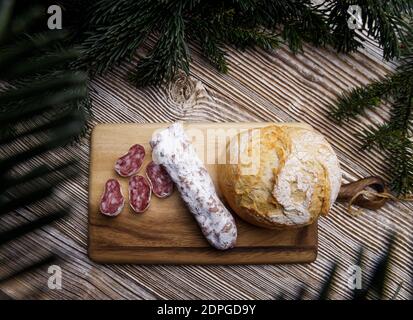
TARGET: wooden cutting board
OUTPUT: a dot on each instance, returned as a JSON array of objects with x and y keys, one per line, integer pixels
[{"x": 167, "y": 233}]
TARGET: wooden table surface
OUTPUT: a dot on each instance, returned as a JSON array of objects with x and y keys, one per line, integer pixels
[{"x": 260, "y": 86}]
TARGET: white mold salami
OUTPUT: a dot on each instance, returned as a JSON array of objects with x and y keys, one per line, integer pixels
[
  {"x": 140, "y": 193},
  {"x": 173, "y": 150},
  {"x": 112, "y": 201},
  {"x": 162, "y": 184},
  {"x": 130, "y": 163}
]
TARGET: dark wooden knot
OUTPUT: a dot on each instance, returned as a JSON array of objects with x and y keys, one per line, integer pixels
[{"x": 372, "y": 192}]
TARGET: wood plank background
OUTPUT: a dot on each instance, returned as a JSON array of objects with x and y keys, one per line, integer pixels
[{"x": 260, "y": 86}]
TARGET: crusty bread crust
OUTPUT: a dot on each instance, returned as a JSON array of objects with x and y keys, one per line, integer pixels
[{"x": 298, "y": 178}]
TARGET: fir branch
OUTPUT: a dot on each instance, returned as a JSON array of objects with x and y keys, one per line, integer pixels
[
  {"x": 227, "y": 26},
  {"x": 112, "y": 38},
  {"x": 169, "y": 55},
  {"x": 214, "y": 53},
  {"x": 344, "y": 39},
  {"x": 356, "y": 101},
  {"x": 310, "y": 25},
  {"x": 393, "y": 138},
  {"x": 38, "y": 113},
  {"x": 374, "y": 283},
  {"x": 402, "y": 168},
  {"x": 112, "y": 31},
  {"x": 243, "y": 38},
  {"x": 381, "y": 20}
]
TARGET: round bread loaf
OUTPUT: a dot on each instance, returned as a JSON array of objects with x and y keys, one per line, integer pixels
[{"x": 283, "y": 176}]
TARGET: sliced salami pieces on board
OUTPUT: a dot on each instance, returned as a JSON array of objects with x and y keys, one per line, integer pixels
[
  {"x": 130, "y": 163},
  {"x": 162, "y": 184},
  {"x": 112, "y": 201},
  {"x": 140, "y": 192},
  {"x": 173, "y": 150}
]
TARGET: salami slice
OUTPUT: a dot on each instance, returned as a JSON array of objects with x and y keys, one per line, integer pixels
[
  {"x": 140, "y": 193},
  {"x": 112, "y": 201},
  {"x": 130, "y": 163},
  {"x": 162, "y": 184},
  {"x": 172, "y": 149}
]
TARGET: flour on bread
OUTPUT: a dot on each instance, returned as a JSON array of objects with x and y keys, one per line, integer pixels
[{"x": 294, "y": 187}]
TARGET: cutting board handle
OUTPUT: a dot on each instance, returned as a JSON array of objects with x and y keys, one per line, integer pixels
[{"x": 370, "y": 193}]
